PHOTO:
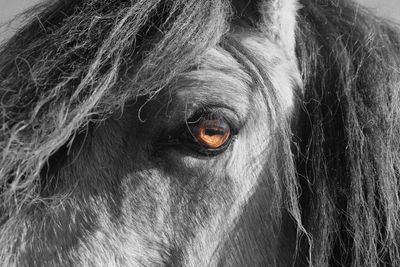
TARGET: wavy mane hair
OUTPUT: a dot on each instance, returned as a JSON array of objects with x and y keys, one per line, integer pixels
[{"x": 77, "y": 62}]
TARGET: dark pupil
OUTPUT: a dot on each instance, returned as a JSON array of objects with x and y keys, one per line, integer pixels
[{"x": 213, "y": 131}]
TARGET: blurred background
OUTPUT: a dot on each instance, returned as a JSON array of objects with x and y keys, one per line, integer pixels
[
  {"x": 386, "y": 8},
  {"x": 9, "y": 8}
]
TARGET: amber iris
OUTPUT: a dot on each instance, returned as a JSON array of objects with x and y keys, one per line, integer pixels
[{"x": 212, "y": 133}]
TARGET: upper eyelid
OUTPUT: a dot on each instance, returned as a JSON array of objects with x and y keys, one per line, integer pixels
[
  {"x": 230, "y": 115},
  {"x": 174, "y": 132}
]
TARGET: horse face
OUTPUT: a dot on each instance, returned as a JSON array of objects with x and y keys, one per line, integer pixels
[
  {"x": 196, "y": 168},
  {"x": 148, "y": 193},
  {"x": 142, "y": 188}
]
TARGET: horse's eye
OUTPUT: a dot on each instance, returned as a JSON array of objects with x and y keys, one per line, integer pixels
[
  {"x": 206, "y": 134},
  {"x": 211, "y": 133}
]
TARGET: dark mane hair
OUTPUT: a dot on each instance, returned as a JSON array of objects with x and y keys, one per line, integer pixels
[
  {"x": 350, "y": 62},
  {"x": 78, "y": 62}
]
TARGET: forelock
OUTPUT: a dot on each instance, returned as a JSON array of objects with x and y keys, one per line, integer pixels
[{"x": 78, "y": 62}]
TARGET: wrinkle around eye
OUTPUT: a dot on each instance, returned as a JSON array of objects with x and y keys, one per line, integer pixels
[{"x": 180, "y": 117}]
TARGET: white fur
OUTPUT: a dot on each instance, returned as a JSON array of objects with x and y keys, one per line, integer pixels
[
  {"x": 283, "y": 72},
  {"x": 279, "y": 19}
]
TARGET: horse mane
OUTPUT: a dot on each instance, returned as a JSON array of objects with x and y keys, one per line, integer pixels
[
  {"x": 78, "y": 62},
  {"x": 350, "y": 62}
]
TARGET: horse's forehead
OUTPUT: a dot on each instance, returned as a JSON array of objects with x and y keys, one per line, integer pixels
[{"x": 281, "y": 70}]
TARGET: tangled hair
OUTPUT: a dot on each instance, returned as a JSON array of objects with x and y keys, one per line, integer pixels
[
  {"x": 71, "y": 66},
  {"x": 350, "y": 63},
  {"x": 78, "y": 62}
]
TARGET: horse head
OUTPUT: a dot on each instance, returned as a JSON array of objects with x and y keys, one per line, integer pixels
[{"x": 197, "y": 133}]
